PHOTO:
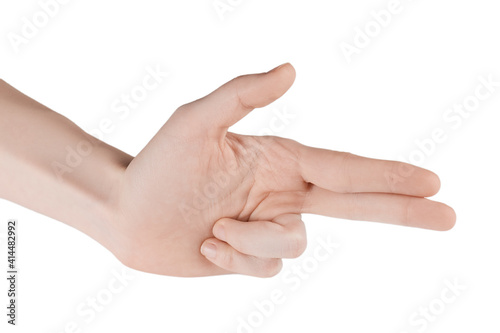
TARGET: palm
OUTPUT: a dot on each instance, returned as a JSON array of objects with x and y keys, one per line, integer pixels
[
  {"x": 266, "y": 183},
  {"x": 243, "y": 180}
]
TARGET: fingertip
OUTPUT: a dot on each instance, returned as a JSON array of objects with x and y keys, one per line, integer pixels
[
  {"x": 427, "y": 182},
  {"x": 433, "y": 215},
  {"x": 286, "y": 70},
  {"x": 441, "y": 217},
  {"x": 448, "y": 218},
  {"x": 277, "y": 68},
  {"x": 433, "y": 182},
  {"x": 290, "y": 70},
  {"x": 209, "y": 249},
  {"x": 219, "y": 230}
]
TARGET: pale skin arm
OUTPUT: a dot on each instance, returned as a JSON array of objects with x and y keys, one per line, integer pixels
[{"x": 199, "y": 200}]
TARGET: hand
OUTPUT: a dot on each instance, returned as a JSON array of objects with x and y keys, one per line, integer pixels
[{"x": 240, "y": 198}]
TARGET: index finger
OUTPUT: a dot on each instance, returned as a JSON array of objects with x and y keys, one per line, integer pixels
[{"x": 348, "y": 173}]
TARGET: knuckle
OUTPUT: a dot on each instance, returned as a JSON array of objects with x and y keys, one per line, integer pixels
[
  {"x": 346, "y": 158},
  {"x": 271, "y": 268},
  {"x": 186, "y": 107},
  {"x": 355, "y": 210},
  {"x": 407, "y": 212},
  {"x": 297, "y": 244},
  {"x": 186, "y": 111},
  {"x": 225, "y": 259},
  {"x": 183, "y": 109}
]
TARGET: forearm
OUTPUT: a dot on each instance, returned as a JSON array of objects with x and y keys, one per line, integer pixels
[{"x": 50, "y": 165}]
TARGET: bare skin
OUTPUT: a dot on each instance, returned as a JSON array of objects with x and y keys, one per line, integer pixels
[{"x": 199, "y": 200}]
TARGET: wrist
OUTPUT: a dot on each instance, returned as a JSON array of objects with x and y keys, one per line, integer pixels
[{"x": 99, "y": 183}]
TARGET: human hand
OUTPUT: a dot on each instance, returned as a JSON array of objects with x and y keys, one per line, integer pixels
[{"x": 241, "y": 197}]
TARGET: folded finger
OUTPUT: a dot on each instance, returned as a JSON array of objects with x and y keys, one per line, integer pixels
[
  {"x": 228, "y": 258},
  {"x": 285, "y": 237}
]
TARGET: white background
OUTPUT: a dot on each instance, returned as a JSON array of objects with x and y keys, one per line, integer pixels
[{"x": 394, "y": 92}]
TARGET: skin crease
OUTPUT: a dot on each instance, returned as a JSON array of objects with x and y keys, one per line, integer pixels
[{"x": 196, "y": 186}]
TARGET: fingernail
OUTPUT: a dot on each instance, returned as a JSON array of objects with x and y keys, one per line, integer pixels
[
  {"x": 209, "y": 250},
  {"x": 276, "y": 68},
  {"x": 219, "y": 232}
]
